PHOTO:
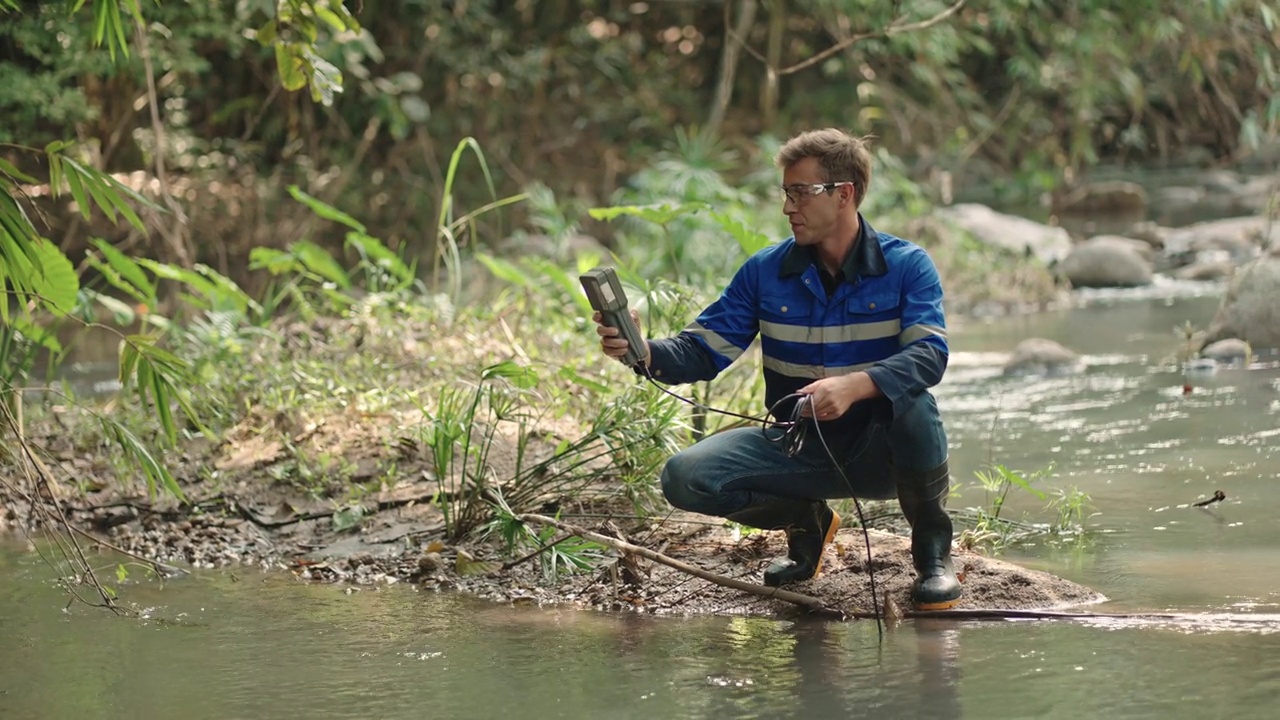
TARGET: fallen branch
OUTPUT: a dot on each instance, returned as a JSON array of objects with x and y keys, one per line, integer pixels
[
  {"x": 1009, "y": 614},
  {"x": 159, "y": 567},
  {"x": 807, "y": 602}
]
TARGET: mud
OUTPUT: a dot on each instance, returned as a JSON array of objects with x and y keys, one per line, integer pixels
[{"x": 404, "y": 542}]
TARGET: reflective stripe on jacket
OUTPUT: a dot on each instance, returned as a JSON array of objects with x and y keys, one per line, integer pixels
[{"x": 886, "y": 317}]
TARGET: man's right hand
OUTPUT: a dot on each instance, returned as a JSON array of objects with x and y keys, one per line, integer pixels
[{"x": 611, "y": 341}]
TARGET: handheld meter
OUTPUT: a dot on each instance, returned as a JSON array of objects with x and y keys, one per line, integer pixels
[{"x": 606, "y": 296}]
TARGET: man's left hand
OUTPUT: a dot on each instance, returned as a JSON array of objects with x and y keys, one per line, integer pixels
[{"x": 832, "y": 397}]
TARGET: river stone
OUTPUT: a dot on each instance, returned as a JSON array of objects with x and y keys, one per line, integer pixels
[
  {"x": 1242, "y": 237},
  {"x": 1204, "y": 270},
  {"x": 1229, "y": 351},
  {"x": 1112, "y": 196},
  {"x": 1142, "y": 247},
  {"x": 1107, "y": 261},
  {"x": 1041, "y": 356},
  {"x": 1047, "y": 243},
  {"x": 1149, "y": 232},
  {"x": 1250, "y": 310}
]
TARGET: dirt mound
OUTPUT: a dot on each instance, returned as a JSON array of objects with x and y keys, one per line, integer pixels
[{"x": 843, "y": 584}]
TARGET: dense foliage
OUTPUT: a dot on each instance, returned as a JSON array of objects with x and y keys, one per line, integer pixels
[{"x": 577, "y": 95}]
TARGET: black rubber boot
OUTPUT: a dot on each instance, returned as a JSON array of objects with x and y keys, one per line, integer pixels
[
  {"x": 810, "y": 526},
  {"x": 923, "y": 496}
]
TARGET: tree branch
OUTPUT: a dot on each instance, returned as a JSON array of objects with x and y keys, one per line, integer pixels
[
  {"x": 894, "y": 29},
  {"x": 808, "y": 602}
]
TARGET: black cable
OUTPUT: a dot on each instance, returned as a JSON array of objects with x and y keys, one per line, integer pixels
[{"x": 794, "y": 430}]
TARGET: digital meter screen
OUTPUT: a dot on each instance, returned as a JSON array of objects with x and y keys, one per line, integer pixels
[{"x": 606, "y": 293}]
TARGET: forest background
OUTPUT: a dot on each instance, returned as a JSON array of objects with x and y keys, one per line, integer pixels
[{"x": 572, "y": 100}]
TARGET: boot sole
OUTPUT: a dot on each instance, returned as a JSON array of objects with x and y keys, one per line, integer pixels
[
  {"x": 946, "y": 605},
  {"x": 830, "y": 538}
]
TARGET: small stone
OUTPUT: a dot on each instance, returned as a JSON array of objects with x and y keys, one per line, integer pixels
[{"x": 430, "y": 562}]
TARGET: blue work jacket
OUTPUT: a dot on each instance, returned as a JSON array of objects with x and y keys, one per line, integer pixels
[{"x": 885, "y": 317}]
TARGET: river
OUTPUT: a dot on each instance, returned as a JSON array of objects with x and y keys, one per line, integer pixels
[{"x": 243, "y": 644}]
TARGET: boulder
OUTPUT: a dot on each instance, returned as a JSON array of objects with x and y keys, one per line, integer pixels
[
  {"x": 1107, "y": 261},
  {"x": 1242, "y": 237},
  {"x": 1250, "y": 310},
  {"x": 1232, "y": 351},
  {"x": 1112, "y": 196},
  {"x": 1149, "y": 232},
  {"x": 1206, "y": 270},
  {"x": 1047, "y": 243},
  {"x": 1142, "y": 247},
  {"x": 1040, "y": 356}
]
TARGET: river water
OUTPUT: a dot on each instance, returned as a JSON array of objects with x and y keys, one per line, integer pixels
[{"x": 250, "y": 645}]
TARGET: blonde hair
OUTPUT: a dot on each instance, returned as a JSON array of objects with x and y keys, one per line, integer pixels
[{"x": 840, "y": 155}]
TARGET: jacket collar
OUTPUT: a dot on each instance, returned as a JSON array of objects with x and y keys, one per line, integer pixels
[{"x": 865, "y": 260}]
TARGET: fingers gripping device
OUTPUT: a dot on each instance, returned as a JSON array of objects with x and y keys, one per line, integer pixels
[{"x": 604, "y": 292}]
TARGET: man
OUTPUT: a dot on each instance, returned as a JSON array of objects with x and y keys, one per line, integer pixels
[{"x": 852, "y": 318}]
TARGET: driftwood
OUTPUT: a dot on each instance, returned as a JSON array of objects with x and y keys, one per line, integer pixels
[
  {"x": 807, "y": 602},
  {"x": 816, "y": 605}
]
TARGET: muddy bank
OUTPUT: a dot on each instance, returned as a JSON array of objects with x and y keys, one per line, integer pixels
[{"x": 404, "y": 542}]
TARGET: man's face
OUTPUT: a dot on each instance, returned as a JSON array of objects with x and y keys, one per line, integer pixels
[{"x": 813, "y": 218}]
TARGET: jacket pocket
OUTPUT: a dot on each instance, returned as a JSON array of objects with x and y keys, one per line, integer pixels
[
  {"x": 881, "y": 304},
  {"x": 787, "y": 309}
]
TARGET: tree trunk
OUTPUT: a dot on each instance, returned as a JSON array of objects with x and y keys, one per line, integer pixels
[
  {"x": 773, "y": 59},
  {"x": 729, "y": 59}
]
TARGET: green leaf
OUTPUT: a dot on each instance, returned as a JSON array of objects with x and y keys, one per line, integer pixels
[
  {"x": 267, "y": 33},
  {"x": 122, "y": 313},
  {"x": 190, "y": 278},
  {"x": 109, "y": 193},
  {"x": 290, "y": 66},
  {"x": 160, "y": 393},
  {"x": 339, "y": 9},
  {"x": 326, "y": 211},
  {"x": 382, "y": 256},
  {"x": 1017, "y": 480},
  {"x": 53, "y": 278},
  {"x": 226, "y": 293},
  {"x": 330, "y": 18},
  {"x": 319, "y": 261},
  {"x": 78, "y": 192},
  {"x": 505, "y": 270},
  {"x": 659, "y": 213},
  {"x": 154, "y": 473},
  {"x": 326, "y": 78},
  {"x": 570, "y": 285},
  {"x": 128, "y": 270},
  {"x": 12, "y": 171},
  {"x": 100, "y": 193},
  {"x": 276, "y": 262},
  {"x": 580, "y": 380},
  {"x": 521, "y": 377},
  {"x": 749, "y": 240},
  {"x": 42, "y": 336}
]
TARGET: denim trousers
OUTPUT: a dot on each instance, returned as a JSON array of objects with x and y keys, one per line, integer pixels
[{"x": 743, "y": 467}]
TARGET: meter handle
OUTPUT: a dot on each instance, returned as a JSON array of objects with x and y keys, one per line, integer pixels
[{"x": 627, "y": 329}]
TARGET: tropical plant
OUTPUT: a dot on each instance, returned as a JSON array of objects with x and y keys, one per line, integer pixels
[{"x": 990, "y": 529}]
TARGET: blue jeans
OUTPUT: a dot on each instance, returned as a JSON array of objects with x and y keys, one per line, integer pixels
[{"x": 735, "y": 469}]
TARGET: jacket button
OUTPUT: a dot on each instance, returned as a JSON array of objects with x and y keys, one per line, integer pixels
[
  {"x": 806, "y": 281},
  {"x": 784, "y": 308},
  {"x": 872, "y": 306}
]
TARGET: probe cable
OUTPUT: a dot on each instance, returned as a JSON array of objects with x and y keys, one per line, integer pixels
[{"x": 792, "y": 438}]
